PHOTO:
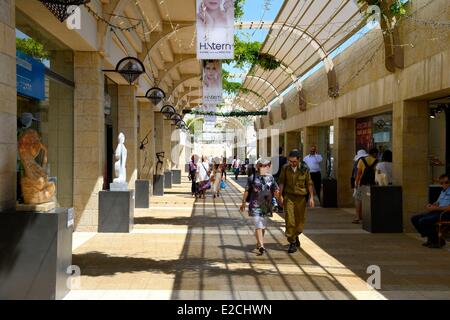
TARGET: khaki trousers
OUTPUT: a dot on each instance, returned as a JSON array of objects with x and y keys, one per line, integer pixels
[{"x": 295, "y": 212}]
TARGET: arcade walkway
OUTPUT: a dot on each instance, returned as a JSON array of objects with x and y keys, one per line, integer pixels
[{"x": 182, "y": 249}]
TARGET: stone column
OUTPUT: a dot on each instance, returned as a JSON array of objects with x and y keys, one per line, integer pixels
[
  {"x": 8, "y": 106},
  {"x": 167, "y": 145},
  {"x": 158, "y": 178},
  {"x": 311, "y": 139},
  {"x": 343, "y": 154},
  {"x": 147, "y": 128},
  {"x": 292, "y": 141},
  {"x": 410, "y": 155},
  {"x": 127, "y": 123},
  {"x": 89, "y": 138},
  {"x": 262, "y": 143}
]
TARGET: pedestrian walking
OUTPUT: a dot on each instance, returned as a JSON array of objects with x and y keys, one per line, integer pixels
[
  {"x": 295, "y": 182},
  {"x": 235, "y": 165},
  {"x": 313, "y": 160},
  {"x": 193, "y": 175},
  {"x": 259, "y": 192},
  {"x": 224, "y": 168},
  {"x": 203, "y": 177},
  {"x": 216, "y": 179},
  {"x": 364, "y": 177}
]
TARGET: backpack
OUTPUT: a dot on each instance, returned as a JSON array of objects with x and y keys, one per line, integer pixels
[
  {"x": 250, "y": 189},
  {"x": 368, "y": 176},
  {"x": 354, "y": 174}
]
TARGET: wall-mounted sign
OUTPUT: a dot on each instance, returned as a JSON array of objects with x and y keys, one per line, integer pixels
[
  {"x": 30, "y": 76},
  {"x": 215, "y": 29}
]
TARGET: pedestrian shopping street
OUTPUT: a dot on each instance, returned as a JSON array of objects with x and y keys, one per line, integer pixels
[
  {"x": 118, "y": 117},
  {"x": 186, "y": 249}
]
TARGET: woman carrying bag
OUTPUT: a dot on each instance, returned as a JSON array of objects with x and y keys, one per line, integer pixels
[
  {"x": 259, "y": 192},
  {"x": 203, "y": 177}
]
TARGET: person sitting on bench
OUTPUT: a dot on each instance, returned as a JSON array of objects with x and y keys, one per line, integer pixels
[{"x": 425, "y": 223}]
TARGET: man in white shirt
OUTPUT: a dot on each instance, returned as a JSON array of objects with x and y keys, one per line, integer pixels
[
  {"x": 236, "y": 163},
  {"x": 313, "y": 160}
]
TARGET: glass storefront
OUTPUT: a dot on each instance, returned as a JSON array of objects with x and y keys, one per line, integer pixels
[
  {"x": 374, "y": 132},
  {"x": 50, "y": 115}
]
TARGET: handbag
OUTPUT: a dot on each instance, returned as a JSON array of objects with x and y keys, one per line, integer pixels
[{"x": 223, "y": 185}]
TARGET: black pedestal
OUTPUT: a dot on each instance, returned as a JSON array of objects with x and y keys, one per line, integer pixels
[
  {"x": 329, "y": 190},
  {"x": 382, "y": 209},
  {"x": 116, "y": 211},
  {"x": 158, "y": 185},
  {"x": 35, "y": 252},
  {"x": 176, "y": 176},
  {"x": 168, "y": 179},
  {"x": 433, "y": 193},
  {"x": 142, "y": 190}
]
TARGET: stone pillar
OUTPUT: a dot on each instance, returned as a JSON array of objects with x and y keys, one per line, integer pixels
[
  {"x": 262, "y": 143},
  {"x": 159, "y": 141},
  {"x": 158, "y": 178},
  {"x": 89, "y": 138},
  {"x": 127, "y": 123},
  {"x": 410, "y": 155},
  {"x": 8, "y": 106},
  {"x": 311, "y": 139},
  {"x": 292, "y": 141},
  {"x": 174, "y": 147},
  {"x": 343, "y": 154},
  {"x": 147, "y": 128},
  {"x": 167, "y": 145}
]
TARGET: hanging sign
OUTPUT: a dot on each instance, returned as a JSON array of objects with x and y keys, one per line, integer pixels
[
  {"x": 215, "y": 29},
  {"x": 212, "y": 82}
]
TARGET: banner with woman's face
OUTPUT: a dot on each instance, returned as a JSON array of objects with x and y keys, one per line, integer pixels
[
  {"x": 212, "y": 81},
  {"x": 215, "y": 29}
]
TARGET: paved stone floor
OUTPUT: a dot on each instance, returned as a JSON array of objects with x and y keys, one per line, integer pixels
[{"x": 186, "y": 249}]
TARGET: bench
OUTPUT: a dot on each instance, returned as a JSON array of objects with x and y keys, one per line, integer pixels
[{"x": 443, "y": 226}]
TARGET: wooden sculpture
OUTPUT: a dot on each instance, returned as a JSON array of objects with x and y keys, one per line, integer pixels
[{"x": 36, "y": 188}]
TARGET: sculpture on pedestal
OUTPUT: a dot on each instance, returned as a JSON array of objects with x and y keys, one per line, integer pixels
[
  {"x": 120, "y": 182},
  {"x": 36, "y": 188}
]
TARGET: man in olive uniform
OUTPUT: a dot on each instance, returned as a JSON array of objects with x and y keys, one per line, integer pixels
[{"x": 295, "y": 182}]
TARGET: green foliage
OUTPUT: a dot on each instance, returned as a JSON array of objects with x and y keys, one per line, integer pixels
[
  {"x": 32, "y": 48},
  {"x": 397, "y": 9},
  {"x": 239, "y": 8}
]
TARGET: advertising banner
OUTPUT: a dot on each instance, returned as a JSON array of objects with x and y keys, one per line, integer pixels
[
  {"x": 215, "y": 29},
  {"x": 30, "y": 76},
  {"x": 212, "y": 82},
  {"x": 209, "y": 108}
]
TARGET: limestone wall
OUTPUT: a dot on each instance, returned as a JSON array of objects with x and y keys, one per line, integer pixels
[{"x": 8, "y": 105}]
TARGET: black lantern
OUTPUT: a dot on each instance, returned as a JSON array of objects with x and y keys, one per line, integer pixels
[
  {"x": 155, "y": 95},
  {"x": 168, "y": 111},
  {"x": 61, "y": 8},
  {"x": 175, "y": 118},
  {"x": 130, "y": 69},
  {"x": 181, "y": 125}
]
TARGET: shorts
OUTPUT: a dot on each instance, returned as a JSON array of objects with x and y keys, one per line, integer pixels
[
  {"x": 357, "y": 194},
  {"x": 260, "y": 222}
]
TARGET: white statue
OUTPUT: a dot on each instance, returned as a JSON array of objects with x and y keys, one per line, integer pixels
[{"x": 120, "y": 182}]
